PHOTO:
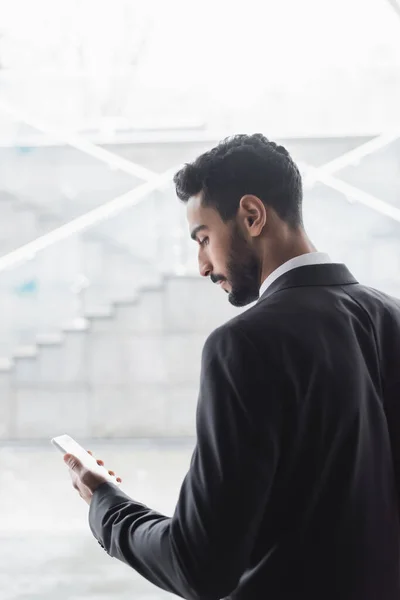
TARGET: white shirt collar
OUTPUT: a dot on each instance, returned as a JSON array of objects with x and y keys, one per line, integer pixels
[{"x": 312, "y": 258}]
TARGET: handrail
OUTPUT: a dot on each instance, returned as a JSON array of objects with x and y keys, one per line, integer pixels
[
  {"x": 89, "y": 219},
  {"x": 80, "y": 143}
]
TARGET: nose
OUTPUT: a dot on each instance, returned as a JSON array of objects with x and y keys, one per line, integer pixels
[{"x": 205, "y": 268}]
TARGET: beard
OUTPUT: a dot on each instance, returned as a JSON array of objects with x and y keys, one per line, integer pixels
[{"x": 243, "y": 271}]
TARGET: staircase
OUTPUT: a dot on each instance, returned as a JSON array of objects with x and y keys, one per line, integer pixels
[
  {"x": 133, "y": 372},
  {"x": 125, "y": 361},
  {"x": 116, "y": 258}
]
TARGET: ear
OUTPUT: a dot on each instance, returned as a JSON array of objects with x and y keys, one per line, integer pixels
[{"x": 252, "y": 214}]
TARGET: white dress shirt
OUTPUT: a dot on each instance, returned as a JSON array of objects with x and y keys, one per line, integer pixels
[{"x": 312, "y": 258}]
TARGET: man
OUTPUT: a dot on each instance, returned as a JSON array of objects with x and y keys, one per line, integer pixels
[{"x": 291, "y": 492}]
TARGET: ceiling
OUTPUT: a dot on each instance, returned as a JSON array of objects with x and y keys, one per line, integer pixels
[{"x": 290, "y": 68}]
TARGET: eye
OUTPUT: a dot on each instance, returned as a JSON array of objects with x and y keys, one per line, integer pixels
[{"x": 204, "y": 241}]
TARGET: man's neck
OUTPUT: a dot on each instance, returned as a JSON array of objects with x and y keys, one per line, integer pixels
[{"x": 301, "y": 245}]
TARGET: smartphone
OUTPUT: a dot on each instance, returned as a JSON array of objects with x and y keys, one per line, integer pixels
[{"x": 67, "y": 445}]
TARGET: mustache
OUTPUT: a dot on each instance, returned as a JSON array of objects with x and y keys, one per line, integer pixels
[{"x": 217, "y": 278}]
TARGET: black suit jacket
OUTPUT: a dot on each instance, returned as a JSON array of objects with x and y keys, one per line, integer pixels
[{"x": 291, "y": 493}]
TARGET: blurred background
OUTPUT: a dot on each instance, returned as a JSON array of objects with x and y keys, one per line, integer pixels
[{"x": 103, "y": 314}]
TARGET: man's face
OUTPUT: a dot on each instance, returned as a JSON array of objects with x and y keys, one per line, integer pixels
[{"x": 224, "y": 253}]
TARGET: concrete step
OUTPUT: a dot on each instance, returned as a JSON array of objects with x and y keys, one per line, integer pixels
[
  {"x": 130, "y": 371},
  {"x": 38, "y": 295},
  {"x": 193, "y": 303},
  {"x": 145, "y": 314}
]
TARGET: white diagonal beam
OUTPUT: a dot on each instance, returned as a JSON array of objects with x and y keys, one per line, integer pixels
[
  {"x": 115, "y": 161},
  {"x": 376, "y": 204},
  {"x": 354, "y": 155},
  {"x": 89, "y": 219},
  {"x": 80, "y": 143},
  {"x": 395, "y": 6},
  {"x": 139, "y": 193}
]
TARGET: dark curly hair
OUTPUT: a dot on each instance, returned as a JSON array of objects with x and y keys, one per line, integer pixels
[{"x": 240, "y": 165}]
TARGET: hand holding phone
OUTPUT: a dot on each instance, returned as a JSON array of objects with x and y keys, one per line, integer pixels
[{"x": 67, "y": 445}]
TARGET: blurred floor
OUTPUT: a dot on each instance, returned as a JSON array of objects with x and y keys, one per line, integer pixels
[{"x": 47, "y": 551}]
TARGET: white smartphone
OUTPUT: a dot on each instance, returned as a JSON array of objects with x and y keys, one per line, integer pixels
[{"x": 67, "y": 445}]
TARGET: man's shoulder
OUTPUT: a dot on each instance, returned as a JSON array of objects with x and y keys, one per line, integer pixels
[
  {"x": 242, "y": 346},
  {"x": 383, "y": 298},
  {"x": 243, "y": 328},
  {"x": 376, "y": 302}
]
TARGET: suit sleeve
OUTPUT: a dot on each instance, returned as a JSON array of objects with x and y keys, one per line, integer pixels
[{"x": 204, "y": 549}]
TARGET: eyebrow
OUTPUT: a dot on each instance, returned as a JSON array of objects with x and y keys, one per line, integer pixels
[{"x": 196, "y": 230}]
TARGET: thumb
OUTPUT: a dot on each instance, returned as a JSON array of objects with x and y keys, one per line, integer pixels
[{"x": 73, "y": 463}]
